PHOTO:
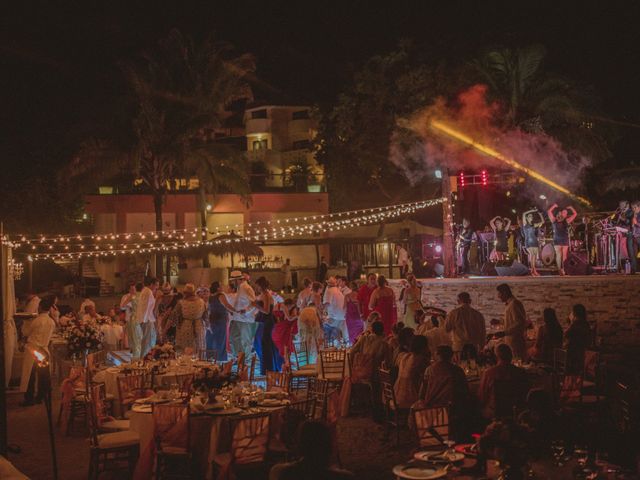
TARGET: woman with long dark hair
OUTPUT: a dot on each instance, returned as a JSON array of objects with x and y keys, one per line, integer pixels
[
  {"x": 270, "y": 359},
  {"x": 383, "y": 301},
  {"x": 548, "y": 338}
]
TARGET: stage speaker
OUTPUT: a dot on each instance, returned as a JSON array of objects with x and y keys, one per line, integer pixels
[
  {"x": 508, "y": 268},
  {"x": 577, "y": 264},
  {"x": 488, "y": 269}
]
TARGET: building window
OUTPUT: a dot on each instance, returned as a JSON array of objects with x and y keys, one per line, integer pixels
[
  {"x": 302, "y": 145},
  {"x": 300, "y": 115},
  {"x": 259, "y": 113},
  {"x": 260, "y": 144}
]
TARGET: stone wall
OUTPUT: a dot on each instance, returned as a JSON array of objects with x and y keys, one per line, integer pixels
[{"x": 612, "y": 301}]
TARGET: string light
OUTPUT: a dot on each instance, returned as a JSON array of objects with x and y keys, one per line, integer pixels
[{"x": 273, "y": 232}]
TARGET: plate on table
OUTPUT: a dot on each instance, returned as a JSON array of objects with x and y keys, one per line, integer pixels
[
  {"x": 273, "y": 402},
  {"x": 141, "y": 408},
  {"x": 226, "y": 411},
  {"x": 417, "y": 471},
  {"x": 468, "y": 449},
  {"x": 439, "y": 457}
]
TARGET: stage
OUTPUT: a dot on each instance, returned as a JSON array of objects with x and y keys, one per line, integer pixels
[{"x": 612, "y": 301}]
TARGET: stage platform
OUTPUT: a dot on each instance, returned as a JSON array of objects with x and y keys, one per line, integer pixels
[{"x": 612, "y": 301}]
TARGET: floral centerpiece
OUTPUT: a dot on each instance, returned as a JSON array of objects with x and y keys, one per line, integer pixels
[
  {"x": 209, "y": 379},
  {"x": 161, "y": 352},
  {"x": 82, "y": 336}
]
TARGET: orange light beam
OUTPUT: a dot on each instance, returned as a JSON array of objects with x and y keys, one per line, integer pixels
[{"x": 451, "y": 132}]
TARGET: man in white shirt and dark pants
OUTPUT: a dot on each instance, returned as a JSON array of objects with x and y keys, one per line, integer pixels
[
  {"x": 243, "y": 326},
  {"x": 333, "y": 299},
  {"x": 145, "y": 315},
  {"x": 38, "y": 333}
]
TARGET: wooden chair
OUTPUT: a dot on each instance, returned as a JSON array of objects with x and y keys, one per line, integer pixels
[
  {"x": 247, "y": 372},
  {"x": 249, "y": 444},
  {"x": 172, "y": 435},
  {"x": 432, "y": 426},
  {"x": 207, "y": 355},
  {"x": 559, "y": 361},
  {"x": 625, "y": 410},
  {"x": 293, "y": 416},
  {"x": 394, "y": 417},
  {"x": 130, "y": 389},
  {"x": 109, "y": 451},
  {"x": 361, "y": 371},
  {"x": 332, "y": 365},
  {"x": 74, "y": 399},
  {"x": 96, "y": 360},
  {"x": 278, "y": 381},
  {"x": 106, "y": 423},
  {"x": 319, "y": 391},
  {"x": 303, "y": 370}
]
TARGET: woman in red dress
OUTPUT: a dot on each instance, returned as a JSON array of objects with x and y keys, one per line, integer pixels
[
  {"x": 383, "y": 301},
  {"x": 286, "y": 328}
]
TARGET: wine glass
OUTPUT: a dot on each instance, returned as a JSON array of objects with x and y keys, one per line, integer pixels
[
  {"x": 450, "y": 452},
  {"x": 557, "y": 448},
  {"x": 582, "y": 454}
]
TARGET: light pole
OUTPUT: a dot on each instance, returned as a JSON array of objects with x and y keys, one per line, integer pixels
[{"x": 44, "y": 385}]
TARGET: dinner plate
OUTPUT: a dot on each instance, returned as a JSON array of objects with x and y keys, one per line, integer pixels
[
  {"x": 469, "y": 449},
  {"x": 416, "y": 471},
  {"x": 439, "y": 457},
  {"x": 141, "y": 408},
  {"x": 226, "y": 411}
]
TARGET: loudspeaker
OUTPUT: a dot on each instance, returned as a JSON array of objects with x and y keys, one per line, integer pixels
[
  {"x": 488, "y": 269},
  {"x": 577, "y": 264},
  {"x": 511, "y": 269}
]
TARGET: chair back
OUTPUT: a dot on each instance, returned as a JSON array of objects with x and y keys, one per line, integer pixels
[
  {"x": 278, "y": 381},
  {"x": 623, "y": 408},
  {"x": 184, "y": 381},
  {"x": 96, "y": 360},
  {"x": 294, "y": 415},
  {"x": 252, "y": 369},
  {"x": 227, "y": 367},
  {"x": 591, "y": 365},
  {"x": 172, "y": 425},
  {"x": 432, "y": 426},
  {"x": 96, "y": 412},
  {"x": 386, "y": 384},
  {"x": 300, "y": 354},
  {"x": 205, "y": 355},
  {"x": 319, "y": 390},
  {"x": 250, "y": 439},
  {"x": 559, "y": 361},
  {"x": 131, "y": 387},
  {"x": 332, "y": 363},
  {"x": 508, "y": 399},
  {"x": 360, "y": 366},
  {"x": 568, "y": 388}
]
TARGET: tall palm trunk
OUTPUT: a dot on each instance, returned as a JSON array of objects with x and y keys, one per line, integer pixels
[
  {"x": 202, "y": 200},
  {"x": 157, "y": 206}
]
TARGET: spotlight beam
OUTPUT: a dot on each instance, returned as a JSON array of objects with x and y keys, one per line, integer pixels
[{"x": 441, "y": 127}]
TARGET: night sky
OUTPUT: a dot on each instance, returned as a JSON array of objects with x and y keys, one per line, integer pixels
[{"x": 61, "y": 81}]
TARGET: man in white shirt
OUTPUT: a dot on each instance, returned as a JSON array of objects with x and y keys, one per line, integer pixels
[
  {"x": 38, "y": 333},
  {"x": 145, "y": 315},
  {"x": 333, "y": 300},
  {"x": 242, "y": 328}
]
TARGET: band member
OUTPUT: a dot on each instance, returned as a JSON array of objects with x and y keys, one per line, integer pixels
[
  {"x": 624, "y": 219},
  {"x": 635, "y": 237},
  {"x": 466, "y": 236},
  {"x": 530, "y": 232},
  {"x": 560, "y": 222},
  {"x": 500, "y": 227}
]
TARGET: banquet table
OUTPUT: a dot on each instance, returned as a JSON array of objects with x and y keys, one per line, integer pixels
[{"x": 210, "y": 430}]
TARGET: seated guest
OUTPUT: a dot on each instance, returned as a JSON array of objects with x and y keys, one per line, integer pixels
[
  {"x": 548, "y": 338},
  {"x": 466, "y": 325},
  {"x": 393, "y": 339},
  {"x": 577, "y": 339},
  {"x": 514, "y": 377},
  {"x": 112, "y": 333},
  {"x": 405, "y": 336},
  {"x": 373, "y": 345},
  {"x": 540, "y": 419},
  {"x": 444, "y": 383},
  {"x": 435, "y": 332},
  {"x": 316, "y": 446},
  {"x": 411, "y": 367}
]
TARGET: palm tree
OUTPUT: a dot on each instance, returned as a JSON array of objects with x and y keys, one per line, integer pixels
[{"x": 180, "y": 90}]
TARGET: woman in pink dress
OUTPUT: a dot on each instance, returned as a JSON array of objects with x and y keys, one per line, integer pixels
[
  {"x": 286, "y": 328},
  {"x": 353, "y": 317},
  {"x": 383, "y": 301}
]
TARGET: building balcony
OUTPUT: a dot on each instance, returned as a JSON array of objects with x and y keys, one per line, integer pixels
[{"x": 257, "y": 125}]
